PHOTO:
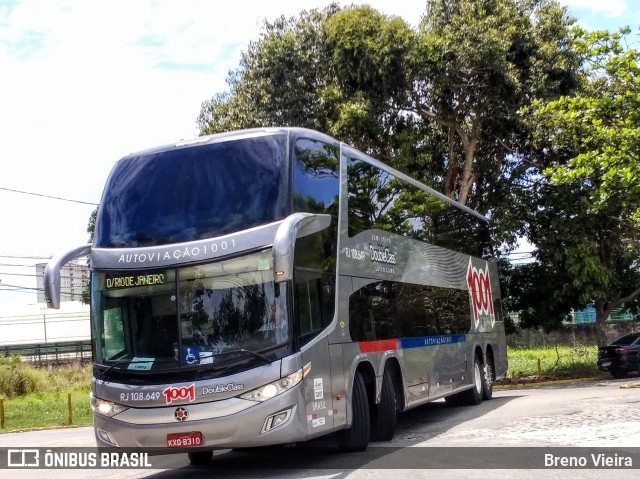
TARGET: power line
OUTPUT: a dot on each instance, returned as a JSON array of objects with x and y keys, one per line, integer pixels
[
  {"x": 24, "y": 257},
  {"x": 20, "y": 274},
  {"x": 18, "y": 265},
  {"x": 24, "y": 289},
  {"x": 48, "y": 196}
]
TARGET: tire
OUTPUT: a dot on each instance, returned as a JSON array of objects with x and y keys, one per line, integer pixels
[
  {"x": 356, "y": 438},
  {"x": 200, "y": 458},
  {"x": 473, "y": 396},
  {"x": 453, "y": 401},
  {"x": 619, "y": 373},
  {"x": 383, "y": 416},
  {"x": 487, "y": 385}
]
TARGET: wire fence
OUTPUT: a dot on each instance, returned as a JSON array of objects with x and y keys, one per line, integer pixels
[{"x": 47, "y": 353}]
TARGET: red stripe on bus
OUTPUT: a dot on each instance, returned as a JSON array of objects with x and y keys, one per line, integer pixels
[{"x": 377, "y": 346}]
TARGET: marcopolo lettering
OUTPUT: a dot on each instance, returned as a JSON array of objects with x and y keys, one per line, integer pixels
[{"x": 222, "y": 388}]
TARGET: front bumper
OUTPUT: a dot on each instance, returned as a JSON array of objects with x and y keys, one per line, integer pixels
[{"x": 227, "y": 423}]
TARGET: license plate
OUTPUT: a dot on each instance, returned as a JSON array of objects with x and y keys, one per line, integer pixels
[
  {"x": 606, "y": 364},
  {"x": 186, "y": 439}
]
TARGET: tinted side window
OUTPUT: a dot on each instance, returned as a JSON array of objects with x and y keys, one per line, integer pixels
[
  {"x": 379, "y": 200},
  {"x": 315, "y": 190},
  {"x": 626, "y": 339},
  {"x": 386, "y": 310}
]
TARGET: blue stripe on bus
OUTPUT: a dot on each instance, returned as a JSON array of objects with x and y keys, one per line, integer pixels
[{"x": 408, "y": 343}]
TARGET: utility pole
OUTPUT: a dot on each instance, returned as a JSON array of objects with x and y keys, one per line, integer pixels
[{"x": 44, "y": 322}]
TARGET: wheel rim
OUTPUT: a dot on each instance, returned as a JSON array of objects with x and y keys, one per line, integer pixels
[
  {"x": 488, "y": 376},
  {"x": 477, "y": 378}
]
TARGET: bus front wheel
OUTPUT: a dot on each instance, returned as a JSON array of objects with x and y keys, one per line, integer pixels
[
  {"x": 200, "y": 458},
  {"x": 356, "y": 438},
  {"x": 473, "y": 396}
]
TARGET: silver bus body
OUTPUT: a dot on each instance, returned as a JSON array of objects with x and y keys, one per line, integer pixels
[{"x": 305, "y": 386}]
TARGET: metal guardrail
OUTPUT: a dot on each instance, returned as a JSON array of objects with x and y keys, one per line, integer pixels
[{"x": 50, "y": 352}]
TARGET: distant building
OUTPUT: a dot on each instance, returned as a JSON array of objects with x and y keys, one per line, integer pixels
[
  {"x": 73, "y": 280},
  {"x": 588, "y": 315}
]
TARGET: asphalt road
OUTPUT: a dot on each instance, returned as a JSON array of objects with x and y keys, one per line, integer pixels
[{"x": 601, "y": 414}]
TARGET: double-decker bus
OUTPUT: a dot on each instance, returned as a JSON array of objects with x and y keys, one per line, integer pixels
[{"x": 270, "y": 286}]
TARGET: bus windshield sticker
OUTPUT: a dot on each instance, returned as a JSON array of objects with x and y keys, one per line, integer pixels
[
  {"x": 141, "y": 364},
  {"x": 318, "y": 390}
]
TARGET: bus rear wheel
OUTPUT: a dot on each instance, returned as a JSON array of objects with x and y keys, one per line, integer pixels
[
  {"x": 383, "y": 418},
  {"x": 473, "y": 396},
  {"x": 200, "y": 458},
  {"x": 356, "y": 438},
  {"x": 487, "y": 386}
]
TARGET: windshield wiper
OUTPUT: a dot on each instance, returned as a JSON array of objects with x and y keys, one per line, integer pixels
[{"x": 265, "y": 358}]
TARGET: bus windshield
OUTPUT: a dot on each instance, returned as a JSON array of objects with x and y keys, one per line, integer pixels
[
  {"x": 186, "y": 194},
  {"x": 188, "y": 316}
]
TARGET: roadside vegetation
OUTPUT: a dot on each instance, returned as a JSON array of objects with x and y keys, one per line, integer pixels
[
  {"x": 36, "y": 398},
  {"x": 549, "y": 363}
]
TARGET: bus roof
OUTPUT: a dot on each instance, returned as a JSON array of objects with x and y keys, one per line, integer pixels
[{"x": 302, "y": 132}]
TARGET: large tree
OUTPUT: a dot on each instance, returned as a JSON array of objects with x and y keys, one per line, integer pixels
[
  {"x": 588, "y": 219},
  {"x": 477, "y": 63},
  {"x": 439, "y": 101}
]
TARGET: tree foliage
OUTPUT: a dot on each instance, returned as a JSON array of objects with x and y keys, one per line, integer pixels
[
  {"x": 500, "y": 104},
  {"x": 589, "y": 209},
  {"x": 438, "y": 101},
  {"x": 476, "y": 64}
]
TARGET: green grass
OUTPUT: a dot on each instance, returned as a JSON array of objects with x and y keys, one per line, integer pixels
[
  {"x": 35, "y": 398},
  {"x": 561, "y": 362},
  {"x": 47, "y": 410}
]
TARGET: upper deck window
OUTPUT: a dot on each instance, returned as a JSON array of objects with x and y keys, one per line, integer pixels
[
  {"x": 194, "y": 193},
  {"x": 379, "y": 200}
]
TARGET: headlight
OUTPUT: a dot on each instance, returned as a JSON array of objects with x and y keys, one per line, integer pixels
[
  {"x": 106, "y": 408},
  {"x": 277, "y": 387}
]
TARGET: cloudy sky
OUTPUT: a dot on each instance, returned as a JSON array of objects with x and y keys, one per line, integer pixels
[{"x": 85, "y": 82}]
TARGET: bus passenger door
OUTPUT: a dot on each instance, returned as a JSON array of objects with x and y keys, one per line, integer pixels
[
  {"x": 313, "y": 319},
  {"x": 317, "y": 387}
]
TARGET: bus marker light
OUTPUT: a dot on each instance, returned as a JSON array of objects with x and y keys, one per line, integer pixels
[
  {"x": 339, "y": 397},
  {"x": 106, "y": 437},
  {"x": 276, "y": 420}
]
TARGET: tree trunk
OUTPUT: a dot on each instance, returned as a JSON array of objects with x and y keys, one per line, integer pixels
[
  {"x": 453, "y": 171},
  {"x": 602, "y": 314},
  {"x": 468, "y": 175}
]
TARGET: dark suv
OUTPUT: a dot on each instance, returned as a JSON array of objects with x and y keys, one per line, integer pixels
[{"x": 621, "y": 356}]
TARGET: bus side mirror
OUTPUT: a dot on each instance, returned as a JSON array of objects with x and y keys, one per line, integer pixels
[
  {"x": 294, "y": 226},
  {"x": 52, "y": 274}
]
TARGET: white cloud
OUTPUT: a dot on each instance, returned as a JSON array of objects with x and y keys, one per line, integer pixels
[
  {"x": 86, "y": 82},
  {"x": 611, "y": 8},
  {"x": 82, "y": 85}
]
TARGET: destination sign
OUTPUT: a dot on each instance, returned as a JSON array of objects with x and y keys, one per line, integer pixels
[{"x": 134, "y": 280}]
